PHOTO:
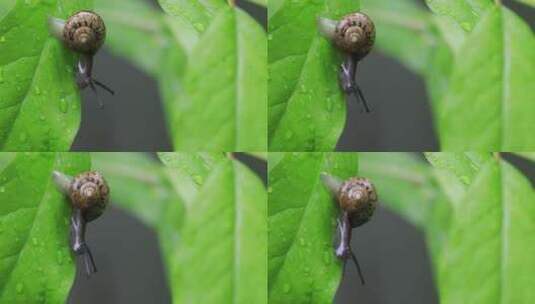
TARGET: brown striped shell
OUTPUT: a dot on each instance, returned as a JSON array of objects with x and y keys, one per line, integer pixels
[
  {"x": 358, "y": 197},
  {"x": 84, "y": 32},
  {"x": 90, "y": 193},
  {"x": 355, "y": 34}
]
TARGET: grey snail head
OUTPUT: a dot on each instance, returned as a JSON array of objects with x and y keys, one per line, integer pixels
[
  {"x": 87, "y": 191},
  {"x": 357, "y": 196},
  {"x": 354, "y": 33},
  {"x": 84, "y": 32}
]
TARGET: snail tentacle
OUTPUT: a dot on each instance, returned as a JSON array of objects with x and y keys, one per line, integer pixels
[
  {"x": 62, "y": 181},
  {"x": 55, "y": 27}
]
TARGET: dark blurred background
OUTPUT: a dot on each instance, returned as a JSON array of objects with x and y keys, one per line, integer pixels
[{"x": 133, "y": 119}]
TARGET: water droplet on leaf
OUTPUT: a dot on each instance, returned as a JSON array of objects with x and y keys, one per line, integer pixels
[{"x": 63, "y": 105}]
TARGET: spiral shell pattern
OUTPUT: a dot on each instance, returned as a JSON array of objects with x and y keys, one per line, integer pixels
[
  {"x": 90, "y": 192},
  {"x": 358, "y": 197},
  {"x": 355, "y": 34},
  {"x": 84, "y": 32}
]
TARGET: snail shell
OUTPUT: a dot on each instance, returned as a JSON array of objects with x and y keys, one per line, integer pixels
[
  {"x": 354, "y": 33},
  {"x": 88, "y": 192},
  {"x": 358, "y": 197},
  {"x": 84, "y": 32}
]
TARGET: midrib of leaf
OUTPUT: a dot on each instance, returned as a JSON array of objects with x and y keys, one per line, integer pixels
[
  {"x": 36, "y": 215},
  {"x": 237, "y": 80},
  {"x": 504, "y": 235},
  {"x": 312, "y": 190},
  {"x": 506, "y": 66}
]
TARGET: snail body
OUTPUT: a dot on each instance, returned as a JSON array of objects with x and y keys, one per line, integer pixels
[
  {"x": 353, "y": 35},
  {"x": 357, "y": 200},
  {"x": 84, "y": 33},
  {"x": 89, "y": 195}
]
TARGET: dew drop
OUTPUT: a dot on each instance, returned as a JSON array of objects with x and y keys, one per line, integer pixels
[
  {"x": 35, "y": 242},
  {"x": 197, "y": 179},
  {"x": 2, "y": 189},
  {"x": 59, "y": 257},
  {"x": 37, "y": 91},
  {"x": 302, "y": 242},
  {"x": 23, "y": 137},
  {"x": 286, "y": 288},
  {"x": 288, "y": 134},
  {"x": 19, "y": 288},
  {"x": 63, "y": 106},
  {"x": 199, "y": 27},
  {"x": 329, "y": 104},
  {"x": 2, "y": 39},
  {"x": 327, "y": 257}
]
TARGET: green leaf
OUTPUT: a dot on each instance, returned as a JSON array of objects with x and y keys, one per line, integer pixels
[
  {"x": 306, "y": 106},
  {"x": 223, "y": 102},
  {"x": 407, "y": 186},
  {"x": 527, "y": 2},
  {"x": 527, "y": 155},
  {"x": 465, "y": 12},
  {"x": 136, "y": 31},
  {"x": 223, "y": 242},
  {"x": 489, "y": 102},
  {"x": 39, "y": 100},
  {"x": 398, "y": 23},
  {"x": 489, "y": 255},
  {"x": 36, "y": 262},
  {"x": 302, "y": 265},
  {"x": 259, "y": 2},
  {"x": 259, "y": 155}
]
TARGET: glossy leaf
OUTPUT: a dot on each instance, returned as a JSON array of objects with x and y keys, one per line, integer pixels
[
  {"x": 39, "y": 100},
  {"x": 527, "y": 155},
  {"x": 465, "y": 12},
  {"x": 223, "y": 101},
  {"x": 306, "y": 107},
  {"x": 302, "y": 218},
  {"x": 223, "y": 242},
  {"x": 262, "y": 2},
  {"x": 136, "y": 31},
  {"x": 36, "y": 261},
  {"x": 489, "y": 255},
  {"x": 499, "y": 104},
  {"x": 528, "y": 2}
]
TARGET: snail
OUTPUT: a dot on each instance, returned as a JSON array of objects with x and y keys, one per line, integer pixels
[
  {"x": 357, "y": 200},
  {"x": 84, "y": 33},
  {"x": 354, "y": 35},
  {"x": 89, "y": 194}
]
